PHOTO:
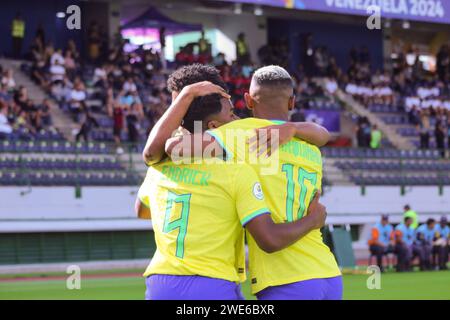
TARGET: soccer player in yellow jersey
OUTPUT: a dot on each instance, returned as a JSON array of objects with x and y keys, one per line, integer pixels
[
  {"x": 198, "y": 211},
  {"x": 307, "y": 269}
]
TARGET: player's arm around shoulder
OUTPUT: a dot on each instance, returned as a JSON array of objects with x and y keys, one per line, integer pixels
[
  {"x": 255, "y": 216},
  {"x": 272, "y": 237},
  {"x": 272, "y": 137},
  {"x": 171, "y": 120}
]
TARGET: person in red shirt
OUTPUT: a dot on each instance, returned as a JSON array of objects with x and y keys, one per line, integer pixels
[{"x": 118, "y": 120}]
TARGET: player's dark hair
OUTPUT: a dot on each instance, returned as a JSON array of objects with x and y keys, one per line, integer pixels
[
  {"x": 194, "y": 73},
  {"x": 430, "y": 221},
  {"x": 407, "y": 218},
  {"x": 200, "y": 109}
]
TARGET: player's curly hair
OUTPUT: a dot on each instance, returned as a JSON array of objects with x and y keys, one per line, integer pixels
[
  {"x": 200, "y": 109},
  {"x": 192, "y": 74}
]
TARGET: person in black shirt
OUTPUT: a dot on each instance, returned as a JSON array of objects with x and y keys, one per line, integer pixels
[{"x": 86, "y": 127}]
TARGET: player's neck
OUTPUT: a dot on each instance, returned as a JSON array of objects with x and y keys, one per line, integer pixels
[{"x": 271, "y": 114}]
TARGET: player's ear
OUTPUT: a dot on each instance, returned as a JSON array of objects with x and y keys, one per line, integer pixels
[
  {"x": 291, "y": 102},
  {"x": 212, "y": 124},
  {"x": 249, "y": 102}
]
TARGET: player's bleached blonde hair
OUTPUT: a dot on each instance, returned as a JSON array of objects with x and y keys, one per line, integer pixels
[{"x": 272, "y": 75}]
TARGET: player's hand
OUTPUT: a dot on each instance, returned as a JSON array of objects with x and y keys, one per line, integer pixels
[
  {"x": 317, "y": 212},
  {"x": 205, "y": 88},
  {"x": 268, "y": 139}
]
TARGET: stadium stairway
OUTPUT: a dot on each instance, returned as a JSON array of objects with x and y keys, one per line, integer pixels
[
  {"x": 60, "y": 120},
  {"x": 397, "y": 140}
]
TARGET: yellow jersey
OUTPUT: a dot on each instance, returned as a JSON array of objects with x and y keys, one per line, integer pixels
[
  {"x": 198, "y": 212},
  {"x": 289, "y": 177}
]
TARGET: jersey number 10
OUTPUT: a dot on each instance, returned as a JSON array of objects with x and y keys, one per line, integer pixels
[{"x": 302, "y": 176}]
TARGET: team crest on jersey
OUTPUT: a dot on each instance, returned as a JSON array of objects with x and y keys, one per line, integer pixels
[{"x": 257, "y": 191}]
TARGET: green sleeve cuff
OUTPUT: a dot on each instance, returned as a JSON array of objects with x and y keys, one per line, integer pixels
[{"x": 253, "y": 215}]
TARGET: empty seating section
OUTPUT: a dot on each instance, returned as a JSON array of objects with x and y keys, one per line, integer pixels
[
  {"x": 391, "y": 167},
  {"x": 64, "y": 170}
]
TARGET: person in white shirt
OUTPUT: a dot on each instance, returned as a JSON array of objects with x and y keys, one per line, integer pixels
[
  {"x": 129, "y": 86},
  {"x": 100, "y": 76},
  {"x": 57, "y": 72},
  {"x": 411, "y": 102},
  {"x": 387, "y": 94},
  {"x": 423, "y": 92},
  {"x": 57, "y": 57},
  {"x": 8, "y": 80},
  {"x": 331, "y": 86},
  {"x": 77, "y": 99},
  {"x": 5, "y": 127},
  {"x": 446, "y": 105},
  {"x": 350, "y": 88}
]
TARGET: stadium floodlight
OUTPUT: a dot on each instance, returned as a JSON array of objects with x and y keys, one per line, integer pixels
[
  {"x": 406, "y": 24},
  {"x": 258, "y": 11},
  {"x": 237, "y": 8},
  {"x": 60, "y": 15}
]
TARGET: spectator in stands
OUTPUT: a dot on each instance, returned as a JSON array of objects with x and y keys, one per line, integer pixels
[
  {"x": 5, "y": 127},
  {"x": 375, "y": 137},
  {"x": 21, "y": 97},
  {"x": 409, "y": 213},
  {"x": 45, "y": 108},
  {"x": 88, "y": 123},
  {"x": 57, "y": 58},
  {"x": 439, "y": 134},
  {"x": 448, "y": 128},
  {"x": 404, "y": 238},
  {"x": 77, "y": 101},
  {"x": 8, "y": 81},
  {"x": 219, "y": 60},
  {"x": 363, "y": 132},
  {"x": 204, "y": 47},
  {"x": 443, "y": 62},
  {"x": 380, "y": 242},
  {"x": 423, "y": 245},
  {"x": 100, "y": 77},
  {"x": 17, "y": 34},
  {"x": 424, "y": 130},
  {"x": 129, "y": 85},
  {"x": 69, "y": 64},
  {"x": 441, "y": 247},
  {"x": 4, "y": 95},
  {"x": 34, "y": 118},
  {"x": 242, "y": 51},
  {"x": 118, "y": 122},
  {"x": 132, "y": 120},
  {"x": 331, "y": 86},
  {"x": 94, "y": 41},
  {"x": 57, "y": 71}
]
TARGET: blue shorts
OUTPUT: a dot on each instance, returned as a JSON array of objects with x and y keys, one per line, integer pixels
[
  {"x": 172, "y": 287},
  {"x": 314, "y": 289}
]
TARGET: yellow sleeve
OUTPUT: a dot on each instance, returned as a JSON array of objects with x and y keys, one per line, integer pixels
[
  {"x": 143, "y": 192},
  {"x": 249, "y": 196}
]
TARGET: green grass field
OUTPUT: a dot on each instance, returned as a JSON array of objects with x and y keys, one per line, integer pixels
[{"x": 415, "y": 285}]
